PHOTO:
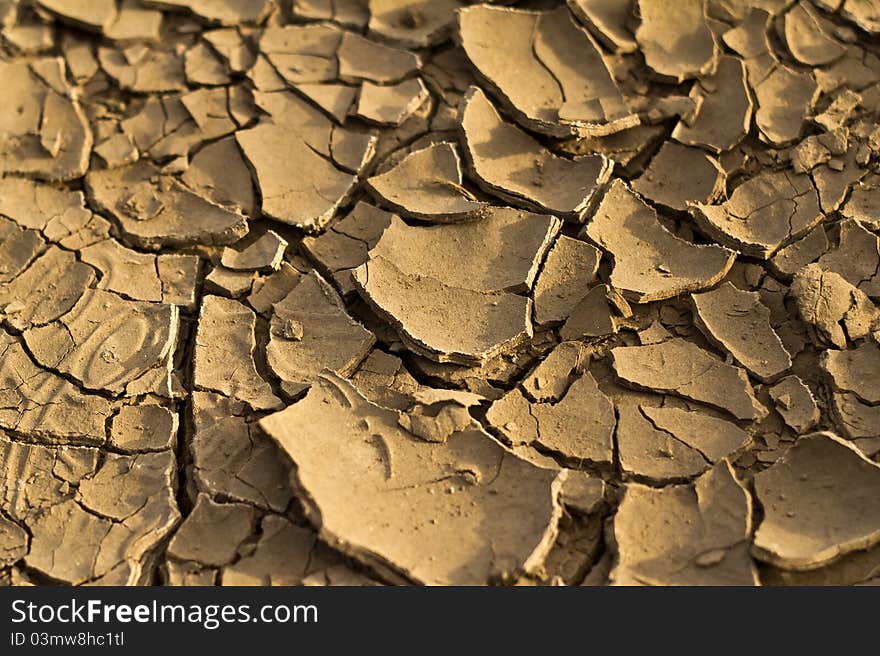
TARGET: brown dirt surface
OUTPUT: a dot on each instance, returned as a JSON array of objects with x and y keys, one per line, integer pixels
[{"x": 439, "y": 292}]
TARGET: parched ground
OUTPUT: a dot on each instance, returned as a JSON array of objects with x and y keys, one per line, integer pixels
[{"x": 434, "y": 292}]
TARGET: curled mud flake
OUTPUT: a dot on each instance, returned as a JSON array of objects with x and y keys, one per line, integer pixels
[
  {"x": 764, "y": 214},
  {"x": 545, "y": 69},
  {"x": 795, "y": 402},
  {"x": 856, "y": 258},
  {"x": 229, "y": 283},
  {"x": 738, "y": 322},
  {"x": 857, "y": 69},
  {"x": 685, "y": 534},
  {"x": 677, "y": 44},
  {"x": 462, "y": 304},
  {"x": 650, "y": 455},
  {"x": 90, "y": 14},
  {"x": 229, "y": 44},
  {"x": 679, "y": 175},
  {"x": 179, "y": 275},
  {"x": 107, "y": 342},
  {"x": 46, "y": 134},
  {"x": 219, "y": 173},
  {"x": 750, "y": 39},
  {"x": 124, "y": 271},
  {"x": 608, "y": 21},
  {"x": 413, "y": 23},
  {"x": 298, "y": 184},
  {"x": 225, "y": 12},
  {"x": 427, "y": 184},
  {"x": 224, "y": 354},
  {"x": 592, "y": 316},
  {"x": 349, "y": 13},
  {"x": 311, "y": 332},
  {"x": 835, "y": 311},
  {"x": 794, "y": 257},
  {"x": 563, "y": 283},
  {"x": 682, "y": 368},
  {"x": 443, "y": 322},
  {"x": 650, "y": 263},
  {"x": 628, "y": 148},
  {"x": 854, "y": 568},
  {"x": 384, "y": 380},
  {"x": 808, "y": 36},
  {"x": 26, "y": 31},
  {"x": 302, "y": 53},
  {"x": 389, "y": 523},
  {"x": 144, "y": 68},
  {"x": 725, "y": 112},
  {"x": 578, "y": 429},
  {"x": 202, "y": 66},
  {"x": 507, "y": 162},
  {"x": 391, "y": 104},
  {"x": 117, "y": 151},
  {"x": 263, "y": 254},
  {"x": 175, "y": 125},
  {"x": 550, "y": 380},
  {"x": 785, "y": 98},
  {"x": 134, "y": 22},
  {"x": 855, "y": 371},
  {"x": 80, "y": 59},
  {"x": 361, "y": 59},
  {"x": 820, "y": 502},
  {"x": 863, "y": 13},
  {"x": 863, "y": 205},
  {"x": 161, "y": 213},
  {"x": 713, "y": 437},
  {"x": 340, "y": 100},
  {"x": 270, "y": 289},
  {"x": 344, "y": 246}
]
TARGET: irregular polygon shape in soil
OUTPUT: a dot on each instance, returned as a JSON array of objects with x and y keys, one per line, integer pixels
[
  {"x": 545, "y": 69},
  {"x": 462, "y": 304},
  {"x": 679, "y": 367},
  {"x": 650, "y": 263},
  {"x": 386, "y": 498}
]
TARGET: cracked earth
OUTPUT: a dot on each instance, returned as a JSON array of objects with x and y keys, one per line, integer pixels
[{"x": 370, "y": 292}]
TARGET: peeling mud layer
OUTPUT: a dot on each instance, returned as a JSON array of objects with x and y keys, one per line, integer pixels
[{"x": 436, "y": 292}]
